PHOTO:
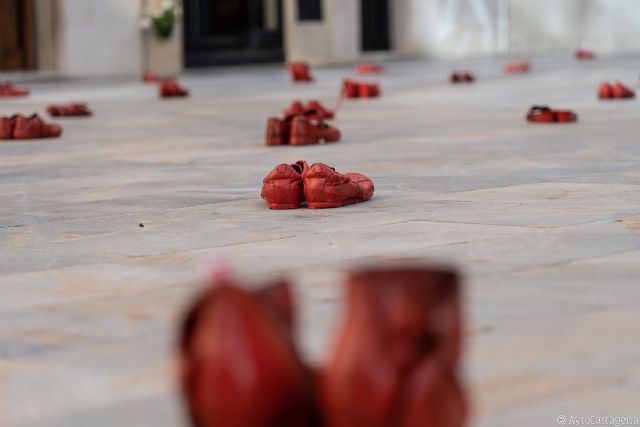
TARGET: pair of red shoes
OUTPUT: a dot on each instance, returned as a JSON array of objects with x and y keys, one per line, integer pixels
[
  {"x": 614, "y": 91},
  {"x": 27, "y": 127},
  {"x": 517, "y": 67},
  {"x": 288, "y": 186},
  {"x": 585, "y": 53},
  {"x": 302, "y": 125},
  {"x": 544, "y": 114},
  {"x": 8, "y": 89},
  {"x": 369, "y": 69},
  {"x": 395, "y": 361},
  {"x": 300, "y": 72},
  {"x": 360, "y": 89},
  {"x": 461, "y": 77},
  {"x": 73, "y": 109},
  {"x": 169, "y": 88}
]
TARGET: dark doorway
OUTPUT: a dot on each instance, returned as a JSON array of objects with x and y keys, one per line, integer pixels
[
  {"x": 16, "y": 35},
  {"x": 222, "y": 32},
  {"x": 375, "y": 25}
]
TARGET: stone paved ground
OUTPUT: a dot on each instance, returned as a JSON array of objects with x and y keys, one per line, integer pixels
[{"x": 544, "y": 221}]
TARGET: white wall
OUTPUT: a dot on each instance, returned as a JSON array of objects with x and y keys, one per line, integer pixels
[
  {"x": 100, "y": 37},
  {"x": 334, "y": 39},
  {"x": 450, "y": 28}
]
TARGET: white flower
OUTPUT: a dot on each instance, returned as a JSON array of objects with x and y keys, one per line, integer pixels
[{"x": 145, "y": 23}]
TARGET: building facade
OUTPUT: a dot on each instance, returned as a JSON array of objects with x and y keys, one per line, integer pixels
[{"x": 121, "y": 37}]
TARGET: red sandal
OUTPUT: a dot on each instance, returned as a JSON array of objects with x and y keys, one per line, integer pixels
[
  {"x": 73, "y": 109},
  {"x": 544, "y": 114}
]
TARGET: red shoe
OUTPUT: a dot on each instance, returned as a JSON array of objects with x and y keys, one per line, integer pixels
[
  {"x": 7, "y": 89},
  {"x": 517, "y": 67},
  {"x": 369, "y": 69},
  {"x": 320, "y": 110},
  {"x": 621, "y": 91},
  {"x": 350, "y": 89},
  {"x": 150, "y": 77},
  {"x": 544, "y": 114},
  {"x": 73, "y": 110},
  {"x": 300, "y": 71},
  {"x": 314, "y": 109},
  {"x": 565, "y": 116},
  {"x": 295, "y": 109},
  {"x": 304, "y": 131},
  {"x": 396, "y": 358},
  {"x": 34, "y": 127},
  {"x": 282, "y": 187},
  {"x": 583, "y": 53},
  {"x": 169, "y": 88},
  {"x": 326, "y": 188},
  {"x": 369, "y": 90},
  {"x": 461, "y": 77},
  {"x": 237, "y": 363},
  {"x": 7, "y": 124},
  {"x": 605, "y": 91},
  {"x": 277, "y": 132},
  {"x": 540, "y": 114}
]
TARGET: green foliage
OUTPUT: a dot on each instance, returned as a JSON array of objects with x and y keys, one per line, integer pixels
[{"x": 164, "y": 23}]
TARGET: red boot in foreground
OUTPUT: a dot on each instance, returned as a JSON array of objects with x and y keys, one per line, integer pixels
[
  {"x": 169, "y": 88},
  {"x": 326, "y": 188},
  {"x": 397, "y": 353},
  {"x": 238, "y": 365}
]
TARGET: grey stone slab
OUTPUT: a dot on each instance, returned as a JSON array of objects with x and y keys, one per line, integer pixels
[{"x": 543, "y": 220}]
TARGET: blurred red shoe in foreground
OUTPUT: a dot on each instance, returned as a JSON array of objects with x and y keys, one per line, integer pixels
[
  {"x": 517, "y": 67},
  {"x": 544, "y": 114},
  {"x": 360, "y": 89},
  {"x": 397, "y": 354},
  {"x": 461, "y": 77},
  {"x": 73, "y": 109},
  {"x": 300, "y": 71},
  {"x": 238, "y": 364},
  {"x": 27, "y": 127},
  {"x": 326, "y": 188},
  {"x": 8, "y": 89},
  {"x": 614, "y": 91},
  {"x": 169, "y": 88},
  {"x": 369, "y": 69}
]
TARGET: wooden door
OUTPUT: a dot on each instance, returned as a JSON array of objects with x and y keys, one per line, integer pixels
[{"x": 16, "y": 35}]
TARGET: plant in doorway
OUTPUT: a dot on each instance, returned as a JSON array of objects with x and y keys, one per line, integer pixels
[{"x": 162, "y": 16}]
